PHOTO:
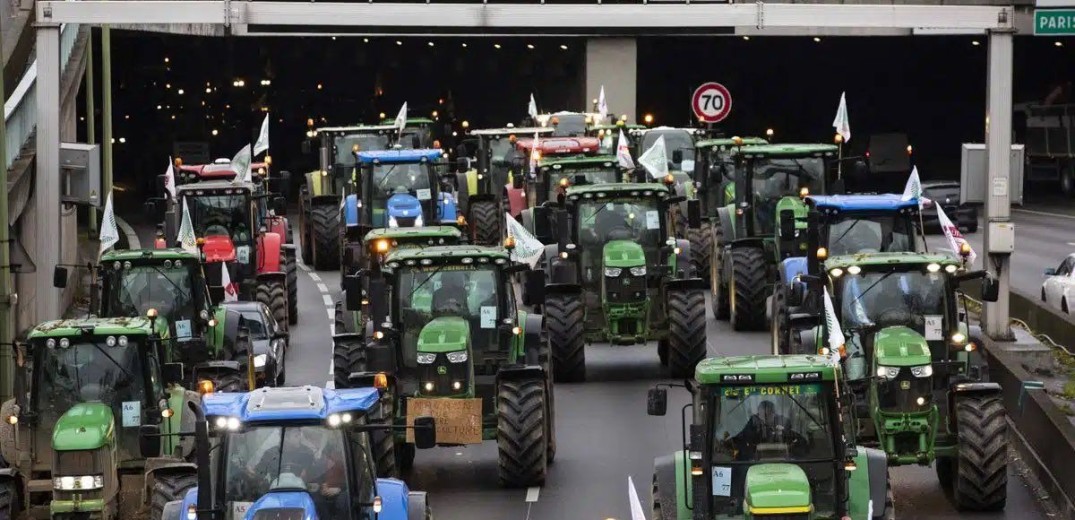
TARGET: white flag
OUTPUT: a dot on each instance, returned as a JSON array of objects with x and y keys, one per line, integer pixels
[
  {"x": 841, "y": 123},
  {"x": 186, "y": 237},
  {"x": 623, "y": 152},
  {"x": 602, "y": 106},
  {"x": 401, "y": 117},
  {"x": 636, "y": 504},
  {"x": 532, "y": 109},
  {"x": 263, "y": 137},
  {"x": 527, "y": 248},
  {"x": 955, "y": 238},
  {"x": 913, "y": 189},
  {"x": 231, "y": 293},
  {"x": 169, "y": 178},
  {"x": 240, "y": 164},
  {"x": 655, "y": 159},
  {"x": 109, "y": 231},
  {"x": 835, "y": 340}
]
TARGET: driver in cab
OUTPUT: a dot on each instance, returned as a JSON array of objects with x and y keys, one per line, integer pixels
[{"x": 764, "y": 426}]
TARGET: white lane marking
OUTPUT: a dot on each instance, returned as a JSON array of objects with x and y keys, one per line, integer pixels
[
  {"x": 303, "y": 266},
  {"x": 532, "y": 494},
  {"x": 323, "y": 288},
  {"x": 328, "y": 302},
  {"x": 132, "y": 237},
  {"x": 1042, "y": 213},
  {"x": 315, "y": 276}
]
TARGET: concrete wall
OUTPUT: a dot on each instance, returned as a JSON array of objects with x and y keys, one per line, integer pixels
[{"x": 613, "y": 62}]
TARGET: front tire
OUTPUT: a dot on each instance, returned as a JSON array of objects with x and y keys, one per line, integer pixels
[
  {"x": 348, "y": 356},
  {"x": 564, "y": 325},
  {"x": 291, "y": 268},
  {"x": 781, "y": 336},
  {"x": 521, "y": 433},
  {"x": 981, "y": 465},
  {"x": 686, "y": 331},
  {"x": 274, "y": 295},
  {"x": 325, "y": 231},
  {"x": 717, "y": 281},
  {"x": 485, "y": 222},
  {"x": 701, "y": 240},
  {"x": 168, "y": 487},
  {"x": 748, "y": 289}
]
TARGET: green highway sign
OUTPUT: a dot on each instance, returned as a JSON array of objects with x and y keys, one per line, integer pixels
[{"x": 1052, "y": 22}]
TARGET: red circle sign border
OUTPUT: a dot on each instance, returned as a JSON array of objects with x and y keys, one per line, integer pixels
[{"x": 723, "y": 114}]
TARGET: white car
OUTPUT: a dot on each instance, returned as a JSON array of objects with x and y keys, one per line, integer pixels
[{"x": 1058, "y": 290}]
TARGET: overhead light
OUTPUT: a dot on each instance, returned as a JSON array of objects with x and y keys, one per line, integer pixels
[
  {"x": 167, "y": 85},
  {"x": 173, "y": 117},
  {"x": 497, "y": 45},
  {"x": 529, "y": 46},
  {"x": 464, "y": 44},
  {"x": 215, "y": 132},
  {"x": 208, "y": 90},
  {"x": 158, "y": 107},
  {"x": 747, "y": 38},
  {"x": 166, "y": 60},
  {"x": 365, "y": 40},
  {"x": 319, "y": 86},
  {"x": 563, "y": 47},
  {"x": 398, "y": 42},
  {"x": 128, "y": 116},
  {"x": 1058, "y": 43},
  {"x": 430, "y": 44},
  {"x": 816, "y": 39},
  {"x": 975, "y": 43},
  {"x": 180, "y": 92},
  {"x": 266, "y": 82},
  {"x": 333, "y": 38},
  {"x": 122, "y": 139}
]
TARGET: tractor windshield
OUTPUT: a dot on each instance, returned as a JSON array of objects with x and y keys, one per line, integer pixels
[
  {"x": 345, "y": 144},
  {"x": 852, "y": 234},
  {"x": 601, "y": 221},
  {"x": 392, "y": 179},
  {"x": 767, "y": 424},
  {"x": 569, "y": 125},
  {"x": 219, "y": 214},
  {"x": 600, "y": 173},
  {"x": 887, "y": 298},
  {"x": 775, "y": 179},
  {"x": 167, "y": 288},
  {"x": 470, "y": 292},
  {"x": 77, "y": 370},
  {"x": 673, "y": 140},
  {"x": 309, "y": 458}
]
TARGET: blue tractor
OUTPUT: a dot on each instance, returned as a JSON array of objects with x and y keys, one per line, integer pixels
[
  {"x": 297, "y": 452},
  {"x": 836, "y": 225}
]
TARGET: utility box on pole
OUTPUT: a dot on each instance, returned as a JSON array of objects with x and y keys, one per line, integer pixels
[
  {"x": 973, "y": 177},
  {"x": 80, "y": 174}
]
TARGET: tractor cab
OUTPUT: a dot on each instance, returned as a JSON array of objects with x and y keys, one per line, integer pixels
[
  {"x": 378, "y": 243},
  {"x": 403, "y": 188},
  {"x": 418, "y": 133},
  {"x": 570, "y": 124},
  {"x": 767, "y": 441},
  {"x": 496, "y": 155},
  {"x": 679, "y": 144},
  {"x": 715, "y": 168},
  {"x": 609, "y": 134},
  {"x": 225, "y": 219},
  {"x": 556, "y": 174}
]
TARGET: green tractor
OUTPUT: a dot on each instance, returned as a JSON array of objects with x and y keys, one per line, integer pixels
[
  {"x": 614, "y": 272},
  {"x": 919, "y": 384},
  {"x": 557, "y": 174},
  {"x": 91, "y": 431},
  {"x": 767, "y": 441},
  {"x": 418, "y": 132},
  {"x": 763, "y": 225},
  {"x": 450, "y": 329}
]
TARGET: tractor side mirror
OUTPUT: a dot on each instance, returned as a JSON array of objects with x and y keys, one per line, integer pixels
[
  {"x": 657, "y": 401},
  {"x": 787, "y": 223},
  {"x": 425, "y": 432},
  {"x": 352, "y": 286},
  {"x": 990, "y": 289},
  {"x": 279, "y": 206},
  {"x": 149, "y": 441},
  {"x": 677, "y": 156},
  {"x": 59, "y": 277},
  {"x": 542, "y": 223},
  {"x": 172, "y": 372},
  {"x": 379, "y": 305},
  {"x": 534, "y": 287},
  {"x": 694, "y": 213}
]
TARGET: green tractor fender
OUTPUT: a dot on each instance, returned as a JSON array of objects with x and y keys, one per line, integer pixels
[
  {"x": 726, "y": 221},
  {"x": 561, "y": 274},
  {"x": 519, "y": 372},
  {"x": 868, "y": 484},
  {"x": 964, "y": 389},
  {"x": 673, "y": 482},
  {"x": 530, "y": 347},
  {"x": 320, "y": 188},
  {"x": 463, "y": 193},
  {"x": 680, "y": 263}
]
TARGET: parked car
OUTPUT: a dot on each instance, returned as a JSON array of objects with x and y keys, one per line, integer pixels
[
  {"x": 1059, "y": 286},
  {"x": 268, "y": 338},
  {"x": 946, "y": 193}
]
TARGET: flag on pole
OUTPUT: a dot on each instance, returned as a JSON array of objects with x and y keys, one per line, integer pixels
[
  {"x": 262, "y": 143},
  {"x": 840, "y": 122},
  {"x": 240, "y": 164},
  {"x": 231, "y": 292},
  {"x": 636, "y": 504},
  {"x": 955, "y": 238},
  {"x": 169, "y": 178},
  {"x": 602, "y": 106},
  {"x": 527, "y": 248},
  {"x": 655, "y": 160},
  {"x": 835, "y": 338},
  {"x": 913, "y": 189},
  {"x": 109, "y": 232},
  {"x": 186, "y": 237},
  {"x": 532, "y": 108},
  {"x": 623, "y": 153},
  {"x": 401, "y": 117}
]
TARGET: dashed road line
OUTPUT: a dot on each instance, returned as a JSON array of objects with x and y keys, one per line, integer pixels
[
  {"x": 315, "y": 276},
  {"x": 532, "y": 494},
  {"x": 328, "y": 302}
]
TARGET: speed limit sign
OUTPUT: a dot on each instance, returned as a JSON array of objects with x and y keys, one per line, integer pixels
[{"x": 711, "y": 102}]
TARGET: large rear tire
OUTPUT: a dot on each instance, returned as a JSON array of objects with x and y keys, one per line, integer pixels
[
  {"x": 273, "y": 294},
  {"x": 521, "y": 433},
  {"x": 348, "y": 356},
  {"x": 231, "y": 382},
  {"x": 701, "y": 240},
  {"x": 485, "y": 222},
  {"x": 306, "y": 238},
  {"x": 747, "y": 289},
  {"x": 291, "y": 268},
  {"x": 718, "y": 282},
  {"x": 686, "y": 331},
  {"x": 168, "y": 487},
  {"x": 781, "y": 336},
  {"x": 564, "y": 325},
  {"x": 981, "y": 465},
  {"x": 325, "y": 231},
  {"x": 8, "y": 449},
  {"x": 9, "y": 500},
  {"x": 384, "y": 446}
]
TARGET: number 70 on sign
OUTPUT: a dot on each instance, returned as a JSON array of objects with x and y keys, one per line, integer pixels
[{"x": 711, "y": 102}]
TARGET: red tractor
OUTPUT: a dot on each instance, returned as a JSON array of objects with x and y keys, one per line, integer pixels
[{"x": 521, "y": 199}]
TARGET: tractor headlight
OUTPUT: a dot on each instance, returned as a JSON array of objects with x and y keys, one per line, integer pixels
[
  {"x": 78, "y": 483},
  {"x": 613, "y": 272},
  {"x": 229, "y": 423},
  {"x": 959, "y": 338},
  {"x": 426, "y": 359},
  {"x": 392, "y": 223},
  {"x": 922, "y": 371},
  {"x": 884, "y": 372},
  {"x": 457, "y": 357},
  {"x": 428, "y": 386},
  {"x": 260, "y": 359},
  {"x": 639, "y": 271}
]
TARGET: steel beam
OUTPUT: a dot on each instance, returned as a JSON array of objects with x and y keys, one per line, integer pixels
[
  {"x": 998, "y": 145},
  {"x": 47, "y": 238}
]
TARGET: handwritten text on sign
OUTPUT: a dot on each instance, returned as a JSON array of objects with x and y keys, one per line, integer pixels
[{"x": 459, "y": 421}]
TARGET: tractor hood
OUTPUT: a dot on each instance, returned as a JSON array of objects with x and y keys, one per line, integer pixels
[
  {"x": 404, "y": 206},
  {"x": 796, "y": 205},
  {"x": 777, "y": 489},
  {"x": 623, "y": 253},
  {"x": 444, "y": 334},
  {"x": 901, "y": 347},
  {"x": 86, "y": 426},
  {"x": 218, "y": 248},
  {"x": 290, "y": 505}
]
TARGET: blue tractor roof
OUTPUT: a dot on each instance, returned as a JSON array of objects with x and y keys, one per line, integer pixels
[
  {"x": 400, "y": 156},
  {"x": 289, "y": 404},
  {"x": 880, "y": 202}
]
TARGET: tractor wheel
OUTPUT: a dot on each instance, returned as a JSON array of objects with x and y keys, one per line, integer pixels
[
  {"x": 9, "y": 500},
  {"x": 306, "y": 240},
  {"x": 779, "y": 322},
  {"x": 168, "y": 487},
  {"x": 701, "y": 240},
  {"x": 384, "y": 446},
  {"x": 274, "y": 295},
  {"x": 686, "y": 331},
  {"x": 658, "y": 511},
  {"x": 7, "y": 432},
  {"x": 325, "y": 232},
  {"x": 485, "y": 221},
  {"x": 747, "y": 289},
  {"x": 563, "y": 324},
  {"x": 343, "y": 320},
  {"x": 981, "y": 465},
  {"x": 348, "y": 356},
  {"x": 291, "y": 268},
  {"x": 521, "y": 432},
  {"x": 717, "y": 283},
  {"x": 231, "y": 382}
]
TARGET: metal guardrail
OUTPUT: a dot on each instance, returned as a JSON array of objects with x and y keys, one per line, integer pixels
[{"x": 20, "y": 110}]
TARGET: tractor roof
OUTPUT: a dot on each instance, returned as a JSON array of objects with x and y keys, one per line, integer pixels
[
  {"x": 730, "y": 141},
  {"x": 432, "y": 232},
  {"x": 560, "y": 145},
  {"x": 97, "y": 326},
  {"x": 171, "y": 253},
  {"x": 580, "y": 160},
  {"x": 786, "y": 150},
  {"x": 882, "y": 259},
  {"x": 617, "y": 190},
  {"x": 666, "y": 129},
  {"x": 764, "y": 369},
  {"x": 496, "y": 132},
  {"x": 216, "y": 185},
  {"x": 410, "y": 121},
  {"x": 303, "y": 403},
  {"x": 615, "y": 126},
  {"x": 446, "y": 254},
  {"x": 360, "y": 129},
  {"x": 881, "y": 202},
  {"x": 400, "y": 156}
]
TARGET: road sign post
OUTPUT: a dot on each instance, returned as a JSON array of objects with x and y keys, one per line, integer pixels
[{"x": 711, "y": 102}]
